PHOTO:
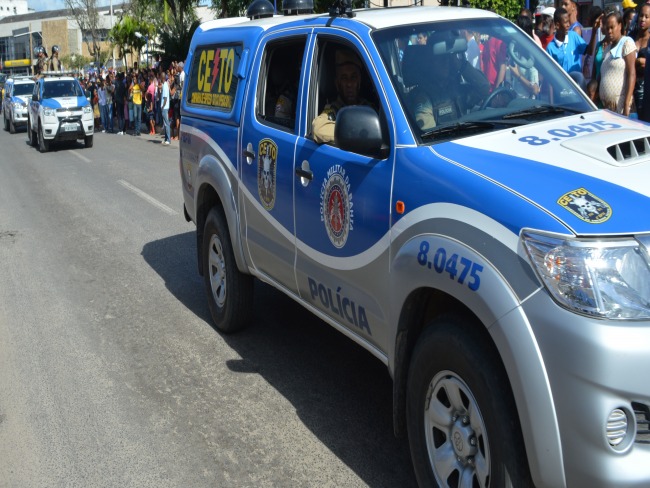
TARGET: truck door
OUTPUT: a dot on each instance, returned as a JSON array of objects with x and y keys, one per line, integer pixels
[
  {"x": 342, "y": 205},
  {"x": 269, "y": 137}
]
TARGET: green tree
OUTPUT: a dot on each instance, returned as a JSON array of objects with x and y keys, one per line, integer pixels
[
  {"x": 124, "y": 36},
  {"x": 75, "y": 61},
  {"x": 505, "y": 8},
  {"x": 178, "y": 26}
]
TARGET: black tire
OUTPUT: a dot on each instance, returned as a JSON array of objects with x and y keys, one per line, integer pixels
[
  {"x": 462, "y": 422},
  {"x": 43, "y": 144},
  {"x": 31, "y": 136},
  {"x": 12, "y": 127},
  {"x": 88, "y": 142},
  {"x": 229, "y": 292}
]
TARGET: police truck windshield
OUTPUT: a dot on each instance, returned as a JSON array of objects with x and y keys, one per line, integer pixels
[{"x": 443, "y": 78}]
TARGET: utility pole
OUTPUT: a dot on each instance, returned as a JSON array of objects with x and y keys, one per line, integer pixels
[
  {"x": 31, "y": 48},
  {"x": 112, "y": 47}
]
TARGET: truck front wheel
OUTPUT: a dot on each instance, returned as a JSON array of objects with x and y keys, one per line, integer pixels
[
  {"x": 43, "y": 144},
  {"x": 230, "y": 292},
  {"x": 462, "y": 423},
  {"x": 31, "y": 135}
]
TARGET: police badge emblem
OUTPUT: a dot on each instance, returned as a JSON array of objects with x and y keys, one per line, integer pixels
[
  {"x": 336, "y": 206},
  {"x": 266, "y": 166},
  {"x": 586, "y": 206}
]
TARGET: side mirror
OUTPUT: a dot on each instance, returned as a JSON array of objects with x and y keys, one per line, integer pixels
[{"x": 358, "y": 129}]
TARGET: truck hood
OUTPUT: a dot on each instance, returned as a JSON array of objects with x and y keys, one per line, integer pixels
[
  {"x": 590, "y": 171},
  {"x": 65, "y": 102},
  {"x": 24, "y": 99}
]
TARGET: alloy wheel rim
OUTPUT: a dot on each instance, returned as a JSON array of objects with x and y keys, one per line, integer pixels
[
  {"x": 455, "y": 432},
  {"x": 217, "y": 270}
]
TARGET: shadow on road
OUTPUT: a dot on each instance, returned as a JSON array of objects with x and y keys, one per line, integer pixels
[{"x": 341, "y": 392}]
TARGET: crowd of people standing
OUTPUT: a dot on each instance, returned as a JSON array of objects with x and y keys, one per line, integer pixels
[
  {"x": 611, "y": 67},
  {"x": 137, "y": 100}
]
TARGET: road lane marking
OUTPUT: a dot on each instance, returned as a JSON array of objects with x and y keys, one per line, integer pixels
[
  {"x": 80, "y": 156},
  {"x": 148, "y": 198}
]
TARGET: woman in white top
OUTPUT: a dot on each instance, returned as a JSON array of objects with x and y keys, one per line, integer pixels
[{"x": 617, "y": 73}]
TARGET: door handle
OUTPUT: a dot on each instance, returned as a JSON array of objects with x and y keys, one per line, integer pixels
[
  {"x": 305, "y": 173},
  {"x": 249, "y": 154}
]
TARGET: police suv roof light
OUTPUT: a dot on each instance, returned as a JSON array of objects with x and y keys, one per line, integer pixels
[
  {"x": 260, "y": 9},
  {"x": 297, "y": 7},
  {"x": 340, "y": 8}
]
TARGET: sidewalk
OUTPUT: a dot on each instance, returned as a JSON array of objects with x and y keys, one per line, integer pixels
[{"x": 158, "y": 138}]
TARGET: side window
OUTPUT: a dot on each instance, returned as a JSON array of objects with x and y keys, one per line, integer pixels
[
  {"x": 213, "y": 82},
  {"x": 278, "y": 85},
  {"x": 342, "y": 78}
]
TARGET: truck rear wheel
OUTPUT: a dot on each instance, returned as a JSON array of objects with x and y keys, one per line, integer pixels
[
  {"x": 230, "y": 292},
  {"x": 462, "y": 422}
]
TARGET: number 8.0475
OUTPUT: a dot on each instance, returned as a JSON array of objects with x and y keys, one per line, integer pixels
[{"x": 459, "y": 268}]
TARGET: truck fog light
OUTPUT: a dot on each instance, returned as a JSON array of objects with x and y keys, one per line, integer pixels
[{"x": 616, "y": 428}]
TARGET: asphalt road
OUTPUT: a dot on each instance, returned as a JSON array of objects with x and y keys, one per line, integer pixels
[{"x": 111, "y": 374}]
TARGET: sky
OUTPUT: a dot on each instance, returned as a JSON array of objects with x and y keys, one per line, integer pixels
[{"x": 39, "y": 5}]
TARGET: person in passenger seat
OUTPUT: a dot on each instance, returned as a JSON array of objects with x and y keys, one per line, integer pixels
[{"x": 348, "y": 86}]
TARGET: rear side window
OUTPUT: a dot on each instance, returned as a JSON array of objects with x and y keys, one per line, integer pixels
[{"x": 213, "y": 80}]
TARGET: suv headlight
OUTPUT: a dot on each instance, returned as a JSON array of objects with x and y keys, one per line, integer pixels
[
  {"x": 18, "y": 105},
  {"x": 49, "y": 112},
  {"x": 606, "y": 278},
  {"x": 87, "y": 109}
]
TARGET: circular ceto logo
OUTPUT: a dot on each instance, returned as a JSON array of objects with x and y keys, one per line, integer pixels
[{"x": 336, "y": 206}]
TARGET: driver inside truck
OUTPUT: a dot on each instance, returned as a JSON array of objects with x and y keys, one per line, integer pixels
[{"x": 348, "y": 80}]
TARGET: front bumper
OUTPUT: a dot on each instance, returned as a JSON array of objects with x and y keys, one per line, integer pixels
[
  {"x": 594, "y": 367},
  {"x": 19, "y": 117},
  {"x": 68, "y": 128}
]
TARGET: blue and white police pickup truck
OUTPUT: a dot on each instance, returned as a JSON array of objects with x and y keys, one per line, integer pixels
[
  {"x": 488, "y": 242},
  {"x": 59, "y": 111},
  {"x": 17, "y": 94}
]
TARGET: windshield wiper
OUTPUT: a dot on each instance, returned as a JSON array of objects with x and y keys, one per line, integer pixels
[
  {"x": 540, "y": 110},
  {"x": 457, "y": 128}
]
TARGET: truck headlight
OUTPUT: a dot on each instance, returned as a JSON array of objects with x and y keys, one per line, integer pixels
[
  {"x": 606, "y": 278},
  {"x": 87, "y": 109},
  {"x": 49, "y": 112}
]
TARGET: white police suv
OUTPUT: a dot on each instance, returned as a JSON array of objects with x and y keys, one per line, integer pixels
[
  {"x": 488, "y": 242},
  {"x": 17, "y": 94},
  {"x": 59, "y": 111}
]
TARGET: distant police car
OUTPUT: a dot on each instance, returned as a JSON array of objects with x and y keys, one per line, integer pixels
[
  {"x": 489, "y": 244},
  {"x": 17, "y": 94},
  {"x": 59, "y": 111}
]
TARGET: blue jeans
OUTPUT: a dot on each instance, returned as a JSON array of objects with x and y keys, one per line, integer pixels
[
  {"x": 108, "y": 117},
  {"x": 137, "y": 117},
  {"x": 102, "y": 115},
  {"x": 165, "y": 116}
]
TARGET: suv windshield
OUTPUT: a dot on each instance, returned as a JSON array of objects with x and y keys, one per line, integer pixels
[
  {"x": 23, "y": 88},
  {"x": 476, "y": 75},
  {"x": 61, "y": 88}
]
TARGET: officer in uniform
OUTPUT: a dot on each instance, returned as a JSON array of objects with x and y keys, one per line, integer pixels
[
  {"x": 41, "y": 60},
  {"x": 348, "y": 86},
  {"x": 55, "y": 64},
  {"x": 449, "y": 86}
]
